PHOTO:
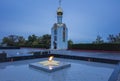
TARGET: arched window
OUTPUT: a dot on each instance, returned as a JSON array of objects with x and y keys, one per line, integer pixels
[
  {"x": 63, "y": 34},
  {"x": 55, "y": 38},
  {"x": 55, "y": 31}
]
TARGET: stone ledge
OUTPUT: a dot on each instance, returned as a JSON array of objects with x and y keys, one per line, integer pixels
[
  {"x": 114, "y": 76},
  {"x": 49, "y": 68}
]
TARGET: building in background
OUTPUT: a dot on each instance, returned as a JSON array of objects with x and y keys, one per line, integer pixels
[{"x": 59, "y": 33}]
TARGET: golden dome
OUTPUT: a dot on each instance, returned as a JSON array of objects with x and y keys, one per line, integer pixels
[{"x": 59, "y": 11}]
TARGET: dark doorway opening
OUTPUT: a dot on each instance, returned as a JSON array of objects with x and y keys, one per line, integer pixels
[{"x": 55, "y": 45}]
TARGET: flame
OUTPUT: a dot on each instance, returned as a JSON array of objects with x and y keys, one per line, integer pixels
[
  {"x": 50, "y": 58},
  {"x": 50, "y": 67}
]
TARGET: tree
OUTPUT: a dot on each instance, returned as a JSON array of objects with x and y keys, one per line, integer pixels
[
  {"x": 46, "y": 40},
  {"x": 39, "y": 40},
  {"x": 111, "y": 38},
  {"x": 31, "y": 39},
  {"x": 5, "y": 40},
  {"x": 70, "y": 42},
  {"x": 11, "y": 40},
  {"x": 118, "y": 38},
  {"x": 21, "y": 41},
  {"x": 114, "y": 39},
  {"x": 98, "y": 40},
  {"x": 42, "y": 41}
]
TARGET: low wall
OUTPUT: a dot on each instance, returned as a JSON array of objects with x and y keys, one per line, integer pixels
[
  {"x": 3, "y": 57},
  {"x": 10, "y": 47},
  {"x": 103, "y": 47}
]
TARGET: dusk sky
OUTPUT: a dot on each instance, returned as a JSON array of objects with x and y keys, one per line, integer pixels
[{"x": 85, "y": 19}]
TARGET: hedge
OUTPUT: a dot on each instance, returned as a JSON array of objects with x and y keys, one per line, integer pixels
[{"x": 105, "y": 47}]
